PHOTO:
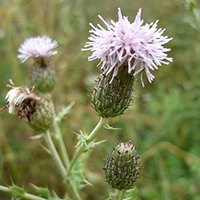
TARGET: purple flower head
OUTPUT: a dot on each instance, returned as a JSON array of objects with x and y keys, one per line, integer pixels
[
  {"x": 37, "y": 47},
  {"x": 138, "y": 46}
]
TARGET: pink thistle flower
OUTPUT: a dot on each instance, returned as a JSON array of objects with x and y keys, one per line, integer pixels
[
  {"x": 37, "y": 47},
  {"x": 136, "y": 45}
]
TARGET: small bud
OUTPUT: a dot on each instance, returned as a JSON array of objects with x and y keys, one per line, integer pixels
[
  {"x": 112, "y": 96},
  {"x": 123, "y": 166},
  {"x": 37, "y": 111}
]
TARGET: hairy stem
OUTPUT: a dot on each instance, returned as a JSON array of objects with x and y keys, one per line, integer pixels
[
  {"x": 55, "y": 154},
  {"x": 91, "y": 137},
  {"x": 61, "y": 144},
  {"x": 24, "y": 196}
]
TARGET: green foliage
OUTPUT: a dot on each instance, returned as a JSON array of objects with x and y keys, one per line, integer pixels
[
  {"x": 42, "y": 192},
  {"x": 17, "y": 192}
]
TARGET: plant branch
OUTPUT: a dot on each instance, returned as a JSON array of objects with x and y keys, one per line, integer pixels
[
  {"x": 60, "y": 166},
  {"x": 90, "y": 137},
  {"x": 55, "y": 154}
]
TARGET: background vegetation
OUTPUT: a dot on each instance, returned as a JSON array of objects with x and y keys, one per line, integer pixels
[{"x": 163, "y": 121}]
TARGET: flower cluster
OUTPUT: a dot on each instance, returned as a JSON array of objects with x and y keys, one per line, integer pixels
[{"x": 134, "y": 44}]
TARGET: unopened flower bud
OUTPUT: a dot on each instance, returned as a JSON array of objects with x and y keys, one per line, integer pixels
[
  {"x": 37, "y": 111},
  {"x": 122, "y": 166},
  {"x": 43, "y": 75},
  {"x": 40, "y": 49},
  {"x": 111, "y": 96}
]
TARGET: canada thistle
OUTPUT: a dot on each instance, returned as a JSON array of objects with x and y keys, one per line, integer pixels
[
  {"x": 37, "y": 111},
  {"x": 138, "y": 45},
  {"x": 40, "y": 49},
  {"x": 122, "y": 166},
  {"x": 112, "y": 96}
]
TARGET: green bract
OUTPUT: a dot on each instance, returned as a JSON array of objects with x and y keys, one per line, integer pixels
[
  {"x": 110, "y": 98},
  {"x": 43, "y": 75},
  {"x": 42, "y": 118},
  {"x": 123, "y": 166}
]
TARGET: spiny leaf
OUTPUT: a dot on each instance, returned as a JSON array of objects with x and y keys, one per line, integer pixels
[
  {"x": 16, "y": 191},
  {"x": 42, "y": 192},
  {"x": 64, "y": 112},
  {"x": 89, "y": 146}
]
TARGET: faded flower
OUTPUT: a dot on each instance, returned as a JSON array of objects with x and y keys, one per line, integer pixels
[{"x": 37, "y": 111}]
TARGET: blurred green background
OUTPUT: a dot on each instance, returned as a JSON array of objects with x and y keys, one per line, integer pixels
[{"x": 163, "y": 121}]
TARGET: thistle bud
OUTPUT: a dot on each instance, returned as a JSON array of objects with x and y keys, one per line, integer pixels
[
  {"x": 111, "y": 96},
  {"x": 37, "y": 111},
  {"x": 123, "y": 166},
  {"x": 43, "y": 75},
  {"x": 40, "y": 49}
]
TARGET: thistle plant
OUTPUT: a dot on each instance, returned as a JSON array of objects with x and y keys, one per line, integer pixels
[{"x": 124, "y": 49}]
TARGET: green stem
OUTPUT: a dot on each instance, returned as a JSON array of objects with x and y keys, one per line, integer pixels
[
  {"x": 60, "y": 166},
  {"x": 194, "y": 13},
  {"x": 25, "y": 195},
  {"x": 4, "y": 189},
  {"x": 91, "y": 137},
  {"x": 61, "y": 144},
  {"x": 123, "y": 192},
  {"x": 196, "y": 18},
  {"x": 55, "y": 154}
]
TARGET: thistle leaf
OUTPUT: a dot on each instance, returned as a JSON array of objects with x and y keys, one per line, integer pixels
[{"x": 64, "y": 112}]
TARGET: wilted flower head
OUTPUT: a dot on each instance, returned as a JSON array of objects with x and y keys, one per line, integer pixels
[
  {"x": 133, "y": 44},
  {"x": 18, "y": 97},
  {"x": 37, "y": 111},
  {"x": 37, "y": 47},
  {"x": 122, "y": 166}
]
